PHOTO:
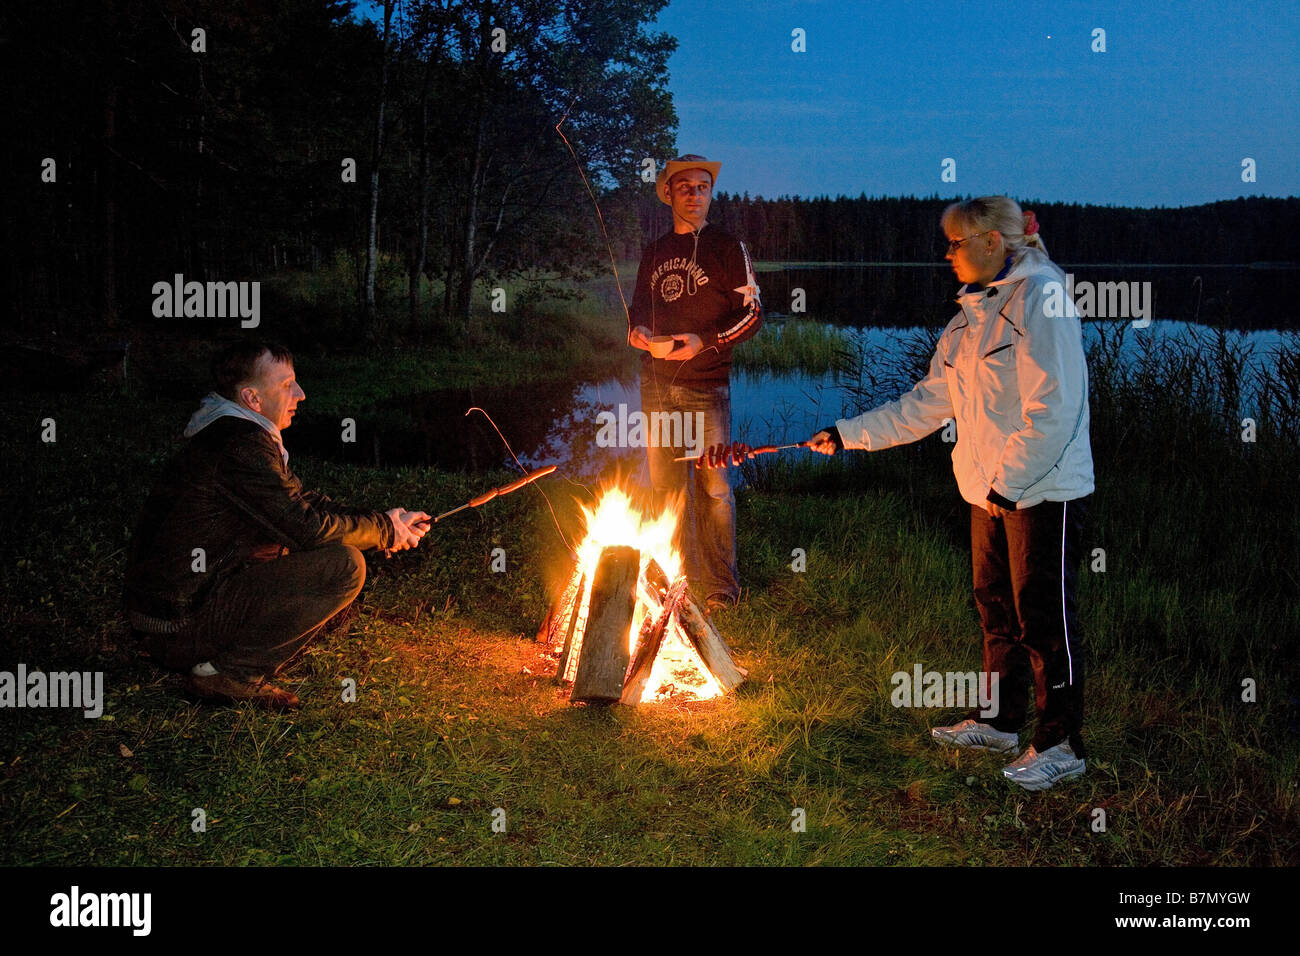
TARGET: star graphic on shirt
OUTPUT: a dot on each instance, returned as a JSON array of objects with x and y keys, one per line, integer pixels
[{"x": 749, "y": 292}]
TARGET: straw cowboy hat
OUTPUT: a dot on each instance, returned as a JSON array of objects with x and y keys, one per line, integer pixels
[{"x": 681, "y": 164}]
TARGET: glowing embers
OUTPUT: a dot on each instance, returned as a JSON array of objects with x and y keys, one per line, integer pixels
[{"x": 625, "y": 626}]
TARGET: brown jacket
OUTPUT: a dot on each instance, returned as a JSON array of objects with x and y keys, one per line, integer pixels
[{"x": 230, "y": 493}]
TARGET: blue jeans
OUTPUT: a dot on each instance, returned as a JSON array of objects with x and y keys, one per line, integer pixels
[{"x": 706, "y": 527}]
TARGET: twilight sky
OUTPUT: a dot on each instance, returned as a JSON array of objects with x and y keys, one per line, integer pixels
[{"x": 1010, "y": 90}]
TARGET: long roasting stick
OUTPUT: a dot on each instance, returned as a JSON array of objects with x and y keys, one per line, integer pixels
[
  {"x": 494, "y": 493},
  {"x": 760, "y": 450}
]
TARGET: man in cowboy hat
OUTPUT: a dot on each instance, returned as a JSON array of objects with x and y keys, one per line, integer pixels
[{"x": 696, "y": 298}]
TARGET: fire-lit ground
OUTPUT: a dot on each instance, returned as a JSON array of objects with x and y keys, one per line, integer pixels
[{"x": 454, "y": 720}]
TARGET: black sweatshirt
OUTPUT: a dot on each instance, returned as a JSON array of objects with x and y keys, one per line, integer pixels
[{"x": 706, "y": 288}]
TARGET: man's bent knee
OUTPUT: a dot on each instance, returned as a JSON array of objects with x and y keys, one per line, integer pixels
[
  {"x": 354, "y": 572},
  {"x": 341, "y": 569}
]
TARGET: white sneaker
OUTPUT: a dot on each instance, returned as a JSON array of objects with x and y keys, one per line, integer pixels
[{"x": 970, "y": 734}]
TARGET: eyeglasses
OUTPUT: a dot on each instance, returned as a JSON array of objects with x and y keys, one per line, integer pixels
[{"x": 955, "y": 244}]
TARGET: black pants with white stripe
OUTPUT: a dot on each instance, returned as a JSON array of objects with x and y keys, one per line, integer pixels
[{"x": 1026, "y": 565}]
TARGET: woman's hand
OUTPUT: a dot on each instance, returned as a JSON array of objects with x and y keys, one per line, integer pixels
[{"x": 825, "y": 442}]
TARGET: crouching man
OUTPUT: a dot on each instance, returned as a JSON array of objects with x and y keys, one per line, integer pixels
[{"x": 234, "y": 567}]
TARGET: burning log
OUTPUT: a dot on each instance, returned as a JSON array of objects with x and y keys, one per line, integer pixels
[
  {"x": 568, "y": 659},
  {"x": 603, "y": 659},
  {"x": 652, "y": 632},
  {"x": 712, "y": 649},
  {"x": 558, "y": 615},
  {"x": 632, "y": 634}
]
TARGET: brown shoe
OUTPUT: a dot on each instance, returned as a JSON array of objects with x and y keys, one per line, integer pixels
[{"x": 231, "y": 690}]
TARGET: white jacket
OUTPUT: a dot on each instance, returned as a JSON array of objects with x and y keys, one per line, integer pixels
[{"x": 1010, "y": 371}]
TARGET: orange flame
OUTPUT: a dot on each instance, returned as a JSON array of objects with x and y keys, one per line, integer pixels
[
  {"x": 616, "y": 522},
  {"x": 678, "y": 671}
]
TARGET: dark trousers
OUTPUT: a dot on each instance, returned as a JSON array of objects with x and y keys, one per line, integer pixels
[
  {"x": 707, "y": 529},
  {"x": 255, "y": 621},
  {"x": 1026, "y": 566}
]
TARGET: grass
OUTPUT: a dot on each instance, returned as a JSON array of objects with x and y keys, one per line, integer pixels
[
  {"x": 457, "y": 713},
  {"x": 793, "y": 345}
]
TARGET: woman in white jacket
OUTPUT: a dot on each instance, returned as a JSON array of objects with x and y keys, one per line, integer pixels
[{"x": 1009, "y": 371}]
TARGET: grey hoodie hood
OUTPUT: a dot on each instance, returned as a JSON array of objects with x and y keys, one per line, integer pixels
[{"x": 216, "y": 406}]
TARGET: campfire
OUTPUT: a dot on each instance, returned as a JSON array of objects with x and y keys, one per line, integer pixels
[{"x": 625, "y": 625}]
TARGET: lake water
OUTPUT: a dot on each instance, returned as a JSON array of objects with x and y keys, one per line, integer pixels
[{"x": 556, "y": 422}]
